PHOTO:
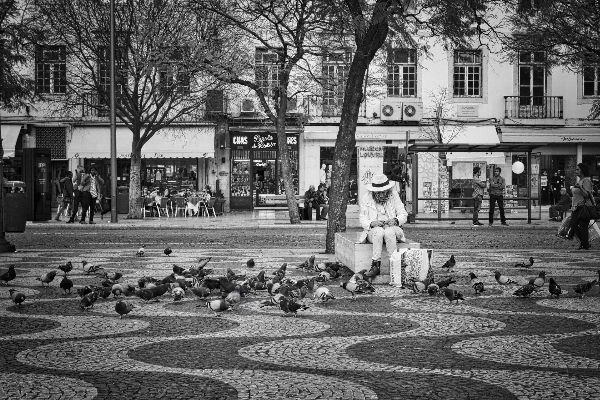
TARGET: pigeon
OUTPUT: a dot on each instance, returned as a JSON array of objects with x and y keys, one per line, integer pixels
[
  {"x": 199, "y": 269},
  {"x": 273, "y": 288},
  {"x": 290, "y": 306},
  {"x": 113, "y": 277},
  {"x": 84, "y": 290},
  {"x": 218, "y": 306},
  {"x": 211, "y": 284},
  {"x": 202, "y": 292},
  {"x": 88, "y": 301},
  {"x": 452, "y": 295},
  {"x": 281, "y": 271},
  {"x": 167, "y": 251},
  {"x": 503, "y": 280},
  {"x": 178, "y": 294},
  {"x": 583, "y": 288},
  {"x": 539, "y": 281},
  {"x": 420, "y": 286},
  {"x": 273, "y": 301},
  {"x": 103, "y": 292},
  {"x": 360, "y": 287},
  {"x": 524, "y": 291},
  {"x": 89, "y": 268},
  {"x": 47, "y": 278},
  {"x": 232, "y": 276},
  {"x": 433, "y": 289},
  {"x": 123, "y": 307},
  {"x": 554, "y": 288},
  {"x": 322, "y": 295},
  {"x": 450, "y": 263},
  {"x": 145, "y": 281},
  {"x": 16, "y": 297},
  {"x": 324, "y": 276},
  {"x": 8, "y": 275},
  {"x": 234, "y": 297},
  {"x": 68, "y": 267},
  {"x": 168, "y": 279},
  {"x": 144, "y": 294},
  {"x": 179, "y": 270},
  {"x": 160, "y": 290},
  {"x": 129, "y": 290},
  {"x": 66, "y": 285},
  {"x": 476, "y": 284},
  {"x": 250, "y": 263},
  {"x": 117, "y": 289},
  {"x": 141, "y": 251},
  {"x": 444, "y": 283},
  {"x": 525, "y": 265}
]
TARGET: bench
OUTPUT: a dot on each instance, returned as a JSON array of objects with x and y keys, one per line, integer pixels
[
  {"x": 278, "y": 202},
  {"x": 358, "y": 256}
]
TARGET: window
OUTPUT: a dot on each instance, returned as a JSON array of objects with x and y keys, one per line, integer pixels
[
  {"x": 402, "y": 73},
  {"x": 591, "y": 80},
  {"x": 532, "y": 78},
  {"x": 267, "y": 71},
  {"x": 174, "y": 75},
  {"x": 467, "y": 73},
  {"x": 121, "y": 74},
  {"x": 335, "y": 70},
  {"x": 51, "y": 69}
]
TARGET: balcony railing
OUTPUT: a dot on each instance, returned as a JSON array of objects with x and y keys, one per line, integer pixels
[{"x": 533, "y": 107}]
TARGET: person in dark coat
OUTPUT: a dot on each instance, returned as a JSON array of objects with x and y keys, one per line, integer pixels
[{"x": 563, "y": 204}]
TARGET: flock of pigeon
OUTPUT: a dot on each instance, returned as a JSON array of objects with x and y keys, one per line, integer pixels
[
  {"x": 526, "y": 289},
  {"x": 284, "y": 292},
  {"x": 197, "y": 281}
]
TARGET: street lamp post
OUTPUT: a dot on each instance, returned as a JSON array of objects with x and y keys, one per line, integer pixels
[
  {"x": 113, "y": 123},
  {"x": 5, "y": 246}
]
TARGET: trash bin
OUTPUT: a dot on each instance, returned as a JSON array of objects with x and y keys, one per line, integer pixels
[
  {"x": 15, "y": 206},
  {"x": 219, "y": 203}
]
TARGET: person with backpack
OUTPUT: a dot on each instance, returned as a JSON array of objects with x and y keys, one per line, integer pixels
[{"x": 66, "y": 188}]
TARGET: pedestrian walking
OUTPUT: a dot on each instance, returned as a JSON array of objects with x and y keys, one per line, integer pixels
[
  {"x": 478, "y": 187},
  {"x": 77, "y": 193},
  {"x": 90, "y": 190},
  {"x": 497, "y": 185},
  {"x": 582, "y": 197},
  {"x": 66, "y": 202}
]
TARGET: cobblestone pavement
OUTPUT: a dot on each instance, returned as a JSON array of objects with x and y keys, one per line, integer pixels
[{"x": 394, "y": 344}]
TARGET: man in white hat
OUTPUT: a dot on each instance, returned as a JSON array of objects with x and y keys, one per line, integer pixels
[{"x": 382, "y": 215}]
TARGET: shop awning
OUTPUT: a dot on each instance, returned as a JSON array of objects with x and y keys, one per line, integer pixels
[
  {"x": 10, "y": 135},
  {"x": 186, "y": 142}
]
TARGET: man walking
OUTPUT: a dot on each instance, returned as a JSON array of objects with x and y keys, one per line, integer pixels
[
  {"x": 497, "y": 185},
  {"x": 91, "y": 188},
  {"x": 478, "y": 187},
  {"x": 77, "y": 194}
]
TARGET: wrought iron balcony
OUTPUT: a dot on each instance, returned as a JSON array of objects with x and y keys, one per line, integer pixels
[{"x": 533, "y": 107}]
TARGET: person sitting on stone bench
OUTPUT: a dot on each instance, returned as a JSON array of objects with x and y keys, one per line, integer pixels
[
  {"x": 382, "y": 215},
  {"x": 314, "y": 199}
]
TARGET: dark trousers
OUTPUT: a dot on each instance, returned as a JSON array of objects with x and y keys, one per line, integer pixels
[
  {"x": 89, "y": 204},
  {"x": 476, "y": 207},
  {"x": 579, "y": 227},
  {"x": 77, "y": 199},
  {"x": 500, "y": 199}
]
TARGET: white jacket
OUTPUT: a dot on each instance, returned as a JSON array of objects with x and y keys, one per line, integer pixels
[{"x": 393, "y": 209}]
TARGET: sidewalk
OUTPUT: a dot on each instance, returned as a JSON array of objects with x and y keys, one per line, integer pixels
[{"x": 265, "y": 219}]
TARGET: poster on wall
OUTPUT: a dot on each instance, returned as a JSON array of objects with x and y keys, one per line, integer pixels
[{"x": 370, "y": 162}]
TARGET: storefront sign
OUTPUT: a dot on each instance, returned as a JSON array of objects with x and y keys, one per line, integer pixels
[
  {"x": 241, "y": 141},
  {"x": 371, "y": 152},
  {"x": 264, "y": 141},
  {"x": 467, "y": 110},
  {"x": 143, "y": 155}
]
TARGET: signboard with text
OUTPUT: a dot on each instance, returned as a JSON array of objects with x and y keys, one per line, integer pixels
[{"x": 260, "y": 140}]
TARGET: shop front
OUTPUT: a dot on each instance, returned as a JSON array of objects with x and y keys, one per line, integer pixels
[
  {"x": 256, "y": 179},
  {"x": 173, "y": 158}
]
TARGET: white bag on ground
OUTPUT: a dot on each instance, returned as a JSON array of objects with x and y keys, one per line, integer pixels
[{"x": 396, "y": 267}]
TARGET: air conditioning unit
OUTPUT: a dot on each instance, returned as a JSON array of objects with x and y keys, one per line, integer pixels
[
  {"x": 391, "y": 109},
  {"x": 248, "y": 106},
  {"x": 412, "y": 111}
]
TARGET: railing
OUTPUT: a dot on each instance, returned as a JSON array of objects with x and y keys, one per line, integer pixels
[{"x": 533, "y": 107}]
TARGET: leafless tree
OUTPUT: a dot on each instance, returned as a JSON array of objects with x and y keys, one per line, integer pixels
[{"x": 160, "y": 46}]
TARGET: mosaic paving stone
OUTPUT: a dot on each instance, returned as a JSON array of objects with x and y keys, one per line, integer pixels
[
  {"x": 28, "y": 292},
  {"x": 36, "y": 386},
  {"x": 587, "y": 304}
]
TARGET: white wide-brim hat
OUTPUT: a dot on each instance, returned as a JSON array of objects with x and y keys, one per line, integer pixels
[{"x": 380, "y": 183}]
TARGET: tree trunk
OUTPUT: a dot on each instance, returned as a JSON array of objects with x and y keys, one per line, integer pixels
[
  {"x": 135, "y": 182},
  {"x": 369, "y": 38},
  {"x": 286, "y": 170},
  {"x": 344, "y": 147}
]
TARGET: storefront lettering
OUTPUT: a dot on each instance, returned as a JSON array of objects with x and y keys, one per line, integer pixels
[
  {"x": 572, "y": 139},
  {"x": 243, "y": 140},
  {"x": 371, "y": 152},
  {"x": 143, "y": 155},
  {"x": 292, "y": 140},
  {"x": 264, "y": 142}
]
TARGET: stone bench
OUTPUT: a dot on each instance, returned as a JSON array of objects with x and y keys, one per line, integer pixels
[{"x": 358, "y": 256}]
